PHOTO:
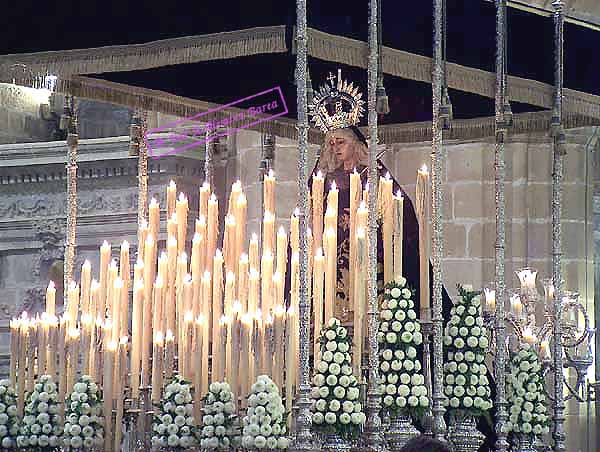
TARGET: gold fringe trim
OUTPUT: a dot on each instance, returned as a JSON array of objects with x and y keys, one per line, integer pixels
[
  {"x": 166, "y": 52},
  {"x": 478, "y": 128},
  {"x": 160, "y": 101},
  {"x": 399, "y": 63},
  {"x": 163, "y": 102}
]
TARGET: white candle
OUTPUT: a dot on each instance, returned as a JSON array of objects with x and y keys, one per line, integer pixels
[
  {"x": 490, "y": 299},
  {"x": 422, "y": 208},
  {"x": 398, "y": 234}
]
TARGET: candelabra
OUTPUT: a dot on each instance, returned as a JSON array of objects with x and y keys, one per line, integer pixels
[{"x": 523, "y": 326}]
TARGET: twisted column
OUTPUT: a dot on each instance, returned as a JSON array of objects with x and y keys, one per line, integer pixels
[
  {"x": 499, "y": 286},
  {"x": 208, "y": 161},
  {"x": 374, "y": 437},
  {"x": 303, "y": 440},
  {"x": 71, "y": 166},
  {"x": 439, "y": 427},
  {"x": 141, "y": 125},
  {"x": 558, "y": 432}
]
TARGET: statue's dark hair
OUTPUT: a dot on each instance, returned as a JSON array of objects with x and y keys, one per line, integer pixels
[{"x": 425, "y": 444}]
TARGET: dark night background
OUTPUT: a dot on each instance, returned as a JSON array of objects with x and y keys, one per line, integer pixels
[{"x": 33, "y": 26}]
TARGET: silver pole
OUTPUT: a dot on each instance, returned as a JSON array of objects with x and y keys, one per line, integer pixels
[
  {"x": 439, "y": 427},
  {"x": 500, "y": 171},
  {"x": 142, "y": 122},
  {"x": 374, "y": 437},
  {"x": 557, "y": 178},
  {"x": 72, "y": 142},
  {"x": 208, "y": 162},
  {"x": 303, "y": 440}
]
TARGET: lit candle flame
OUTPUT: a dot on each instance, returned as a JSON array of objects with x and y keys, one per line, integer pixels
[{"x": 189, "y": 317}]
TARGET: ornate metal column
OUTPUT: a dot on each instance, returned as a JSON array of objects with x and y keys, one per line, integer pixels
[
  {"x": 557, "y": 178},
  {"x": 70, "y": 121},
  {"x": 439, "y": 427},
  {"x": 303, "y": 440},
  {"x": 138, "y": 147},
  {"x": 374, "y": 437},
  {"x": 208, "y": 161},
  {"x": 502, "y": 123}
]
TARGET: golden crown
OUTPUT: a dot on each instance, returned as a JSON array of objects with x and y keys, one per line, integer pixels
[{"x": 336, "y": 105}]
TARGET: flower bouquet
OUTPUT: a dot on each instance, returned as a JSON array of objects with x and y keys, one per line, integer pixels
[
  {"x": 264, "y": 424},
  {"x": 526, "y": 397},
  {"x": 40, "y": 430},
  {"x": 466, "y": 383},
  {"x": 220, "y": 429},
  {"x": 401, "y": 383},
  {"x": 9, "y": 427},
  {"x": 336, "y": 409},
  {"x": 174, "y": 426},
  {"x": 83, "y": 417}
]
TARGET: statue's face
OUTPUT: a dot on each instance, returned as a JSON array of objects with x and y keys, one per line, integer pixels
[{"x": 341, "y": 146}]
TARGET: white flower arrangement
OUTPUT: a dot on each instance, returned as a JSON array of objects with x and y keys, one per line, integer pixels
[
  {"x": 526, "y": 394},
  {"x": 174, "y": 426},
  {"x": 40, "y": 427},
  {"x": 264, "y": 423},
  {"x": 336, "y": 407},
  {"x": 9, "y": 427},
  {"x": 83, "y": 416},
  {"x": 220, "y": 427},
  {"x": 466, "y": 383},
  {"x": 401, "y": 383}
]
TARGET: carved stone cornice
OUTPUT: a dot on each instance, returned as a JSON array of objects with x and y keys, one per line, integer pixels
[{"x": 102, "y": 163}]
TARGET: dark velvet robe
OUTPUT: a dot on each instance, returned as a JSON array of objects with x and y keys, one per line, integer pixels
[{"x": 410, "y": 255}]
